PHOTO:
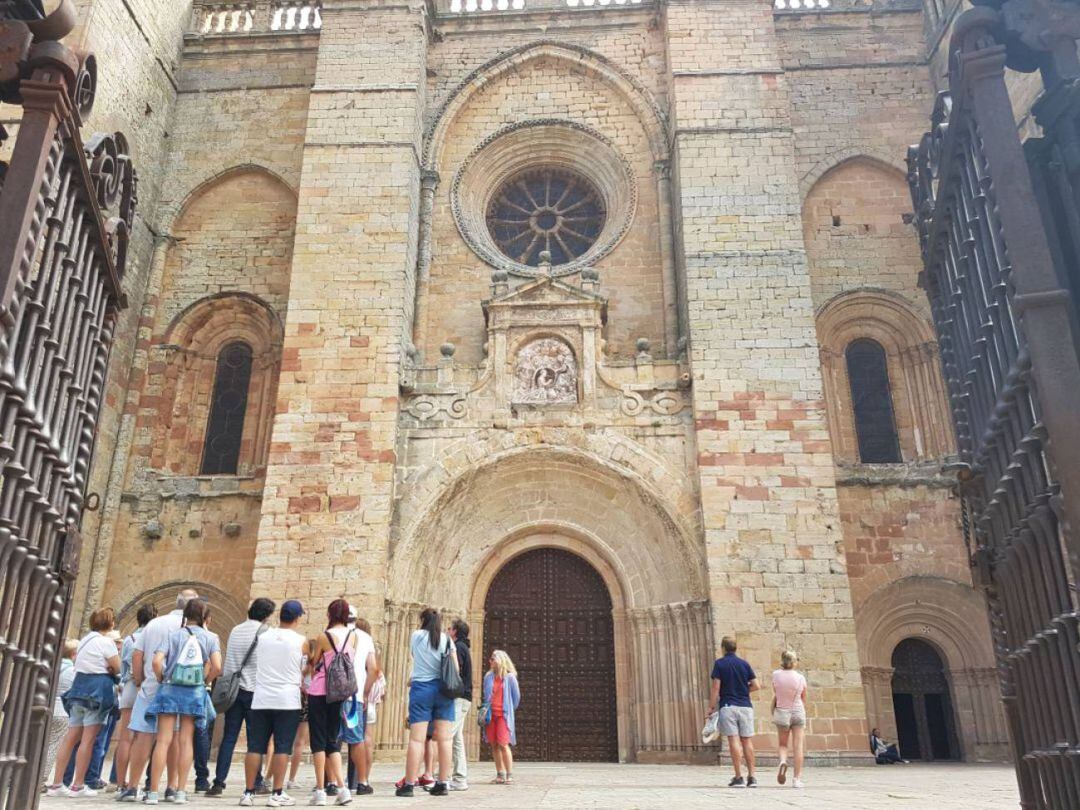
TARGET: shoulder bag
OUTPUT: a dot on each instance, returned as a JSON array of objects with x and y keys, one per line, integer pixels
[{"x": 227, "y": 687}]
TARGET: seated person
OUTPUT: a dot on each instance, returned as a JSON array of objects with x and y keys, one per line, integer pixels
[{"x": 884, "y": 753}]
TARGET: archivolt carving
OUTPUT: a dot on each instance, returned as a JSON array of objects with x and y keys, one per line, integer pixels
[{"x": 652, "y": 117}]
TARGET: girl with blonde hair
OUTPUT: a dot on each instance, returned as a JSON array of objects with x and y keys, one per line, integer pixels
[
  {"x": 501, "y": 698},
  {"x": 789, "y": 714}
]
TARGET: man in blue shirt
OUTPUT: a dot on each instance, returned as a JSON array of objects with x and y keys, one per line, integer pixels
[{"x": 733, "y": 680}]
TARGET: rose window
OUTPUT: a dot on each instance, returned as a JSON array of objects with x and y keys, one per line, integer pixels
[{"x": 549, "y": 209}]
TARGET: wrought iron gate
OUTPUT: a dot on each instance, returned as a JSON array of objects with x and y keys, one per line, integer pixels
[
  {"x": 61, "y": 263},
  {"x": 1002, "y": 287}
]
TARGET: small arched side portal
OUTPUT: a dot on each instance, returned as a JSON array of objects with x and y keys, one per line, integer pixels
[
  {"x": 922, "y": 703},
  {"x": 550, "y": 610}
]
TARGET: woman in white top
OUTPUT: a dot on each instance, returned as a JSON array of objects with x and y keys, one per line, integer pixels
[
  {"x": 91, "y": 698},
  {"x": 789, "y": 714}
]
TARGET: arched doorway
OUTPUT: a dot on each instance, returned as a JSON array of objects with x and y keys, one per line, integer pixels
[
  {"x": 551, "y": 611},
  {"x": 921, "y": 703}
]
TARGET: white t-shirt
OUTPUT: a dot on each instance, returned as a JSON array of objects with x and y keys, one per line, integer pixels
[
  {"x": 94, "y": 653},
  {"x": 279, "y": 670},
  {"x": 365, "y": 646}
]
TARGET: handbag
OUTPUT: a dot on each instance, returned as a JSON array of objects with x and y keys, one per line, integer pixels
[
  {"x": 711, "y": 730},
  {"x": 451, "y": 678},
  {"x": 227, "y": 687},
  {"x": 352, "y": 722},
  {"x": 483, "y": 716}
]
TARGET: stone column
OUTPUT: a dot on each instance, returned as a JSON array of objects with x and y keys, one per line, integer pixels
[
  {"x": 769, "y": 508},
  {"x": 325, "y": 525}
]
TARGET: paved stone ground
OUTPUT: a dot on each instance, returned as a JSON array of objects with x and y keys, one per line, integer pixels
[{"x": 566, "y": 787}]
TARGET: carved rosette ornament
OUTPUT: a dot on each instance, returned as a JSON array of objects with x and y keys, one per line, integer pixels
[{"x": 545, "y": 373}]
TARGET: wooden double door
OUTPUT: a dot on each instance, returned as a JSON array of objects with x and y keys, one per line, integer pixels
[{"x": 551, "y": 612}]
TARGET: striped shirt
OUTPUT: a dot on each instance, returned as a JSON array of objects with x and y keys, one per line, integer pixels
[{"x": 236, "y": 648}]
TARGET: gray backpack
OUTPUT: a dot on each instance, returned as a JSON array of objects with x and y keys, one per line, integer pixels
[{"x": 340, "y": 675}]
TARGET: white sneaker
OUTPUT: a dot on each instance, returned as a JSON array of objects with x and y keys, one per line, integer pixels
[
  {"x": 84, "y": 791},
  {"x": 318, "y": 798},
  {"x": 180, "y": 797},
  {"x": 798, "y": 783},
  {"x": 247, "y": 800},
  {"x": 291, "y": 785},
  {"x": 343, "y": 796},
  {"x": 57, "y": 790},
  {"x": 458, "y": 784},
  {"x": 284, "y": 800}
]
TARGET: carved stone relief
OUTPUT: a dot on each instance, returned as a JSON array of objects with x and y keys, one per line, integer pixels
[{"x": 545, "y": 372}]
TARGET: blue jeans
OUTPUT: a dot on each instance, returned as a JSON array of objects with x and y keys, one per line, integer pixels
[
  {"x": 235, "y": 718},
  {"x": 97, "y": 759},
  {"x": 202, "y": 754}
]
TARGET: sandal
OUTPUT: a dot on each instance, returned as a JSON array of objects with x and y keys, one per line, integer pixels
[
  {"x": 781, "y": 776},
  {"x": 509, "y": 779},
  {"x": 499, "y": 779}
]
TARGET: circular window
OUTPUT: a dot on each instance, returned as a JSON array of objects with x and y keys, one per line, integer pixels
[
  {"x": 548, "y": 209},
  {"x": 544, "y": 186}
]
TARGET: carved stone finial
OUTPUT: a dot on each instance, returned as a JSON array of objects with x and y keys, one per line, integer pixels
[
  {"x": 447, "y": 350},
  {"x": 590, "y": 279},
  {"x": 500, "y": 282},
  {"x": 642, "y": 345},
  {"x": 545, "y": 262}
]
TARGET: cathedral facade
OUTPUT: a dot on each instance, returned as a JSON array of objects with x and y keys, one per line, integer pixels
[{"x": 597, "y": 323}]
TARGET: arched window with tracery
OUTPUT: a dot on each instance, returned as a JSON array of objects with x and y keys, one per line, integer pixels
[
  {"x": 225, "y": 425},
  {"x": 871, "y": 401}
]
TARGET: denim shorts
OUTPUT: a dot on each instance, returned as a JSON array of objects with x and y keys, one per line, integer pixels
[
  {"x": 83, "y": 715},
  {"x": 185, "y": 701},
  {"x": 737, "y": 721},
  {"x": 427, "y": 703}
]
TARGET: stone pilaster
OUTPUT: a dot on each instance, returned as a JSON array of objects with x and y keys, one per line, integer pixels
[
  {"x": 769, "y": 508},
  {"x": 326, "y": 514}
]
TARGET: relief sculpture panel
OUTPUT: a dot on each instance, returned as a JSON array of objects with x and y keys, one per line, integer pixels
[{"x": 545, "y": 372}]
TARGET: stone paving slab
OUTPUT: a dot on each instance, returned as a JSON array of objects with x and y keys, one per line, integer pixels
[{"x": 677, "y": 787}]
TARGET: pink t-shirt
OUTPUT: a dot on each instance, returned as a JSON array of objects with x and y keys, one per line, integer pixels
[{"x": 788, "y": 686}]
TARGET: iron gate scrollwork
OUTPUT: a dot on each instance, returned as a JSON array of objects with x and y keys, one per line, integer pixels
[
  {"x": 1004, "y": 309},
  {"x": 61, "y": 264}
]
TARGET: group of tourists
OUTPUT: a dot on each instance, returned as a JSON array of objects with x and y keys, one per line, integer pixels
[{"x": 164, "y": 685}]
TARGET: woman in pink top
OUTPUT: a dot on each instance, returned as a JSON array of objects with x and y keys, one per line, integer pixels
[
  {"x": 324, "y": 717},
  {"x": 789, "y": 713}
]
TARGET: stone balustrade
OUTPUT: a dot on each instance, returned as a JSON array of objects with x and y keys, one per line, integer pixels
[{"x": 211, "y": 18}]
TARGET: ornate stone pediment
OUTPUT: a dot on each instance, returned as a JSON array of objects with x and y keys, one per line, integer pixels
[{"x": 546, "y": 300}]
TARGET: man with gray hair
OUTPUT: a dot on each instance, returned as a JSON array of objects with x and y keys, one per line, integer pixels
[{"x": 154, "y": 636}]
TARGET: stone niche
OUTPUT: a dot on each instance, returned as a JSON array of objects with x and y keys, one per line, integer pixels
[{"x": 544, "y": 339}]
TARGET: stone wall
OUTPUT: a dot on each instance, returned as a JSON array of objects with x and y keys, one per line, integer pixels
[
  {"x": 710, "y": 474},
  {"x": 221, "y": 273}
]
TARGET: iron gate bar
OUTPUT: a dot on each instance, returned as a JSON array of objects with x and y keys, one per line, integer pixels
[
  {"x": 1007, "y": 327},
  {"x": 61, "y": 267}
]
